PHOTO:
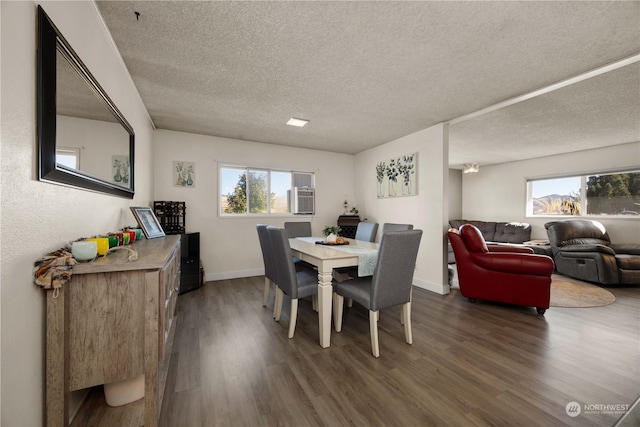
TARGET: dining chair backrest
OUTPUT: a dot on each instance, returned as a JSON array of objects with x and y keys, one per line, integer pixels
[
  {"x": 388, "y": 226},
  {"x": 294, "y": 282},
  {"x": 393, "y": 274},
  {"x": 297, "y": 229},
  {"x": 367, "y": 231},
  {"x": 267, "y": 253},
  {"x": 283, "y": 261}
]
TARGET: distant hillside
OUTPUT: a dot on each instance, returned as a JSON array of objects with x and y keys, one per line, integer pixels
[{"x": 553, "y": 204}]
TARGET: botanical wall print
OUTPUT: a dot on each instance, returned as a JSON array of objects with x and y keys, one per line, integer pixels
[
  {"x": 397, "y": 176},
  {"x": 184, "y": 174},
  {"x": 120, "y": 170}
]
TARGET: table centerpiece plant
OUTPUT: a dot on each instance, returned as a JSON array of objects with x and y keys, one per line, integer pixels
[{"x": 331, "y": 233}]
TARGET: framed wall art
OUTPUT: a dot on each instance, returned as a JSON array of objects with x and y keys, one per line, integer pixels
[
  {"x": 184, "y": 174},
  {"x": 148, "y": 222},
  {"x": 120, "y": 170},
  {"x": 397, "y": 176}
]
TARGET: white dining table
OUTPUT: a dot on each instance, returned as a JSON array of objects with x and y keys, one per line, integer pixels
[{"x": 326, "y": 258}]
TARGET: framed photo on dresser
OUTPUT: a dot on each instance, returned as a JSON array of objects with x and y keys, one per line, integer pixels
[{"x": 148, "y": 222}]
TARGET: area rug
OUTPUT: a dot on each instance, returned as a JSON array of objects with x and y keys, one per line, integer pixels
[{"x": 573, "y": 293}]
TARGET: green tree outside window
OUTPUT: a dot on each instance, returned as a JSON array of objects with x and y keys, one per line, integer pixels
[{"x": 255, "y": 184}]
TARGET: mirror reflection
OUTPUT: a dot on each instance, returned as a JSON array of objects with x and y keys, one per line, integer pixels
[
  {"x": 88, "y": 136},
  {"x": 84, "y": 141}
]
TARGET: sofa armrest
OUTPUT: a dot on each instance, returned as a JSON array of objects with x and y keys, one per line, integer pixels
[
  {"x": 626, "y": 248},
  {"x": 509, "y": 248},
  {"x": 587, "y": 248},
  {"x": 532, "y": 264}
]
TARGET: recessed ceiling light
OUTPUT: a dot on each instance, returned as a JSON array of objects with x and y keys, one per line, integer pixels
[{"x": 297, "y": 122}]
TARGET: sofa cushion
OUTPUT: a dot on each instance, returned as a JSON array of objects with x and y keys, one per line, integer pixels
[
  {"x": 487, "y": 228},
  {"x": 576, "y": 231},
  {"x": 501, "y": 232},
  {"x": 585, "y": 241},
  {"x": 626, "y": 248},
  {"x": 512, "y": 232},
  {"x": 628, "y": 262}
]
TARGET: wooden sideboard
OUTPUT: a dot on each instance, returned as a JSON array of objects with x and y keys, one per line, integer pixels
[{"x": 113, "y": 321}]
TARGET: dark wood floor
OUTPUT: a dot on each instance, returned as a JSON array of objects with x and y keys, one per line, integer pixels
[
  {"x": 480, "y": 364},
  {"x": 470, "y": 364}
]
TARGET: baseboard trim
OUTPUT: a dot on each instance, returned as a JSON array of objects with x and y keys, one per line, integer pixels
[
  {"x": 211, "y": 277},
  {"x": 432, "y": 287},
  {"x": 77, "y": 400},
  {"x": 226, "y": 275}
]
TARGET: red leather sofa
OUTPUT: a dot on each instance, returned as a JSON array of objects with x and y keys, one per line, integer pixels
[{"x": 513, "y": 275}]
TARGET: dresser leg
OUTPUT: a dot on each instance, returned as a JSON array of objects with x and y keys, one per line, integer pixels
[{"x": 57, "y": 355}]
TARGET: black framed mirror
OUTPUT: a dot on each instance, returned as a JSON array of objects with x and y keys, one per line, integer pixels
[{"x": 83, "y": 139}]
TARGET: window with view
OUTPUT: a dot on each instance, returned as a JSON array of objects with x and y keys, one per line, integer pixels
[
  {"x": 246, "y": 191},
  {"x": 605, "y": 194},
  {"x": 69, "y": 157}
]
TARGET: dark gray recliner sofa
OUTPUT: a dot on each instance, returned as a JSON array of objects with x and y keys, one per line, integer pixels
[
  {"x": 495, "y": 232},
  {"x": 582, "y": 249}
]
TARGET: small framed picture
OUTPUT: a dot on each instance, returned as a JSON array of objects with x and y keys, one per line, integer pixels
[
  {"x": 148, "y": 222},
  {"x": 184, "y": 174}
]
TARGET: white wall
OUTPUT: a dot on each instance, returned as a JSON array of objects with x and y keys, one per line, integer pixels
[
  {"x": 97, "y": 141},
  {"x": 229, "y": 246},
  {"x": 454, "y": 193},
  {"x": 498, "y": 192},
  {"x": 39, "y": 217},
  {"x": 428, "y": 210},
  {"x": 222, "y": 239}
]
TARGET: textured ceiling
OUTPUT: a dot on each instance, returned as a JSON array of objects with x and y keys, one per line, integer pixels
[
  {"x": 365, "y": 73},
  {"x": 600, "y": 111}
]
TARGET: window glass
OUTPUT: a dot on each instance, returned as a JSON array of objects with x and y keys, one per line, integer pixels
[
  {"x": 557, "y": 196},
  {"x": 245, "y": 191},
  {"x": 613, "y": 194},
  {"x": 280, "y": 187},
  {"x": 606, "y": 194},
  {"x": 258, "y": 191},
  {"x": 233, "y": 191}
]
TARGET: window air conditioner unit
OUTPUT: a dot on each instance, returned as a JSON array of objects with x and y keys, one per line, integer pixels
[{"x": 304, "y": 201}]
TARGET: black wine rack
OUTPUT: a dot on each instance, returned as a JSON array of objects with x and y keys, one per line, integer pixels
[{"x": 171, "y": 216}]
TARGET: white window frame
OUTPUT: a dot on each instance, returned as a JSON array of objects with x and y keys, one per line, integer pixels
[
  {"x": 583, "y": 194},
  {"x": 268, "y": 170},
  {"x": 72, "y": 152}
]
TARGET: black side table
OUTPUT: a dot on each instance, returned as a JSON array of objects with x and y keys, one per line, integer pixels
[{"x": 190, "y": 271}]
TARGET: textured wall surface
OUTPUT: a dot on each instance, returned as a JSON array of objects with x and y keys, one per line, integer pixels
[{"x": 39, "y": 217}]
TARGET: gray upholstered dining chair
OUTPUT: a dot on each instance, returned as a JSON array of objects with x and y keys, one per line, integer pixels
[
  {"x": 390, "y": 284},
  {"x": 367, "y": 231},
  {"x": 389, "y": 226},
  {"x": 267, "y": 259},
  {"x": 295, "y": 282},
  {"x": 298, "y": 229}
]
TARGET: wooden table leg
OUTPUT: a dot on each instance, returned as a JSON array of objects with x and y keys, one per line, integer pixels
[{"x": 325, "y": 294}]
